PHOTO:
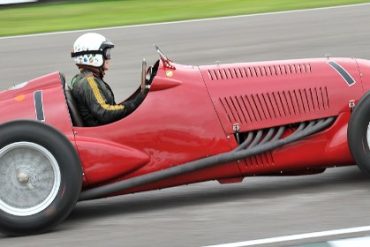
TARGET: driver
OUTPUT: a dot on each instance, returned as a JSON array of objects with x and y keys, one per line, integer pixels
[{"x": 94, "y": 97}]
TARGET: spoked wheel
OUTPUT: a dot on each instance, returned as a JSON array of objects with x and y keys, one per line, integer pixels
[
  {"x": 359, "y": 134},
  {"x": 40, "y": 177}
]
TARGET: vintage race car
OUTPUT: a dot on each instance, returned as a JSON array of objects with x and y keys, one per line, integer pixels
[{"x": 197, "y": 123}]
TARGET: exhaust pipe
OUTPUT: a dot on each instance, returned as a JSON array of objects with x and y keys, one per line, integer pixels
[{"x": 246, "y": 149}]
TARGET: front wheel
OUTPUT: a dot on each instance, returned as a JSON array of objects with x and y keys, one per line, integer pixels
[
  {"x": 359, "y": 134},
  {"x": 40, "y": 176}
]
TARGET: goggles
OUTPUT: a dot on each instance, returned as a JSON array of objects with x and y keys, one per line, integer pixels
[
  {"x": 107, "y": 53},
  {"x": 103, "y": 50}
]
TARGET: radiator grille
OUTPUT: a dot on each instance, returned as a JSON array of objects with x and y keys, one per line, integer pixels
[
  {"x": 258, "y": 71},
  {"x": 278, "y": 104}
]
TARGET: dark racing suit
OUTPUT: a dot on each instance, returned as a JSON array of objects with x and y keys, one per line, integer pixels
[{"x": 95, "y": 99}]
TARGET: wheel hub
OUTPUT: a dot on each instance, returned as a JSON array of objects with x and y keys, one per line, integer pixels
[{"x": 23, "y": 178}]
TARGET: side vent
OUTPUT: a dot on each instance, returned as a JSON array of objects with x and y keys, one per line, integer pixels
[
  {"x": 264, "y": 159},
  {"x": 271, "y": 105},
  {"x": 258, "y": 71}
]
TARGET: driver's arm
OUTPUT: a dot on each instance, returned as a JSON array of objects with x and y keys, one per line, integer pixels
[
  {"x": 100, "y": 107},
  {"x": 131, "y": 104}
]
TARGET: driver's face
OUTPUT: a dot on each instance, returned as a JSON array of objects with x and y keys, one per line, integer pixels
[{"x": 106, "y": 64}]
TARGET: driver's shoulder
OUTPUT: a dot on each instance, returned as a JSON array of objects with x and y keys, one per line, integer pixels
[
  {"x": 78, "y": 82},
  {"x": 83, "y": 79},
  {"x": 88, "y": 82}
]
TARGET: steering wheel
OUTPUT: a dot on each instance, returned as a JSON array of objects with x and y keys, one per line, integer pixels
[{"x": 146, "y": 76}]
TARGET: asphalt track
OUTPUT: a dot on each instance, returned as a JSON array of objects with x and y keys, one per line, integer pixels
[{"x": 209, "y": 213}]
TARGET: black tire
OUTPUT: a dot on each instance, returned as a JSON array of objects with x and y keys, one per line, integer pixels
[
  {"x": 65, "y": 192},
  {"x": 357, "y": 133}
]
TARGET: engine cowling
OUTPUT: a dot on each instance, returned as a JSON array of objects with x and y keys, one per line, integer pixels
[{"x": 267, "y": 94}]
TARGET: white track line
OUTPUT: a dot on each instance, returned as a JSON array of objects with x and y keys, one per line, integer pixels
[
  {"x": 294, "y": 237},
  {"x": 188, "y": 21}
]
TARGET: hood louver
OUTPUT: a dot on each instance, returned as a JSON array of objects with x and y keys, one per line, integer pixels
[
  {"x": 270, "y": 105},
  {"x": 258, "y": 71}
]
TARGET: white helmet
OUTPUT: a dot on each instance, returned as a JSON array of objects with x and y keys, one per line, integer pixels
[{"x": 91, "y": 49}]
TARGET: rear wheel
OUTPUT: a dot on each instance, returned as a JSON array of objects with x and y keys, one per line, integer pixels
[
  {"x": 40, "y": 176},
  {"x": 359, "y": 134}
]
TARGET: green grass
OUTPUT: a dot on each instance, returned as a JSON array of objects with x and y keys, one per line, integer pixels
[{"x": 72, "y": 15}]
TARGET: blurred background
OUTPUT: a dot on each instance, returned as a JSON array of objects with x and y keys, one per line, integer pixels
[
  {"x": 36, "y": 39},
  {"x": 219, "y": 41},
  {"x": 48, "y": 16},
  {"x": 9, "y": 2}
]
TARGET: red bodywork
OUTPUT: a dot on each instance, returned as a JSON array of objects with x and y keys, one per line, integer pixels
[{"x": 190, "y": 112}]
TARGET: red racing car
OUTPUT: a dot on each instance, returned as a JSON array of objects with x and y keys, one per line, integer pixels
[{"x": 217, "y": 122}]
